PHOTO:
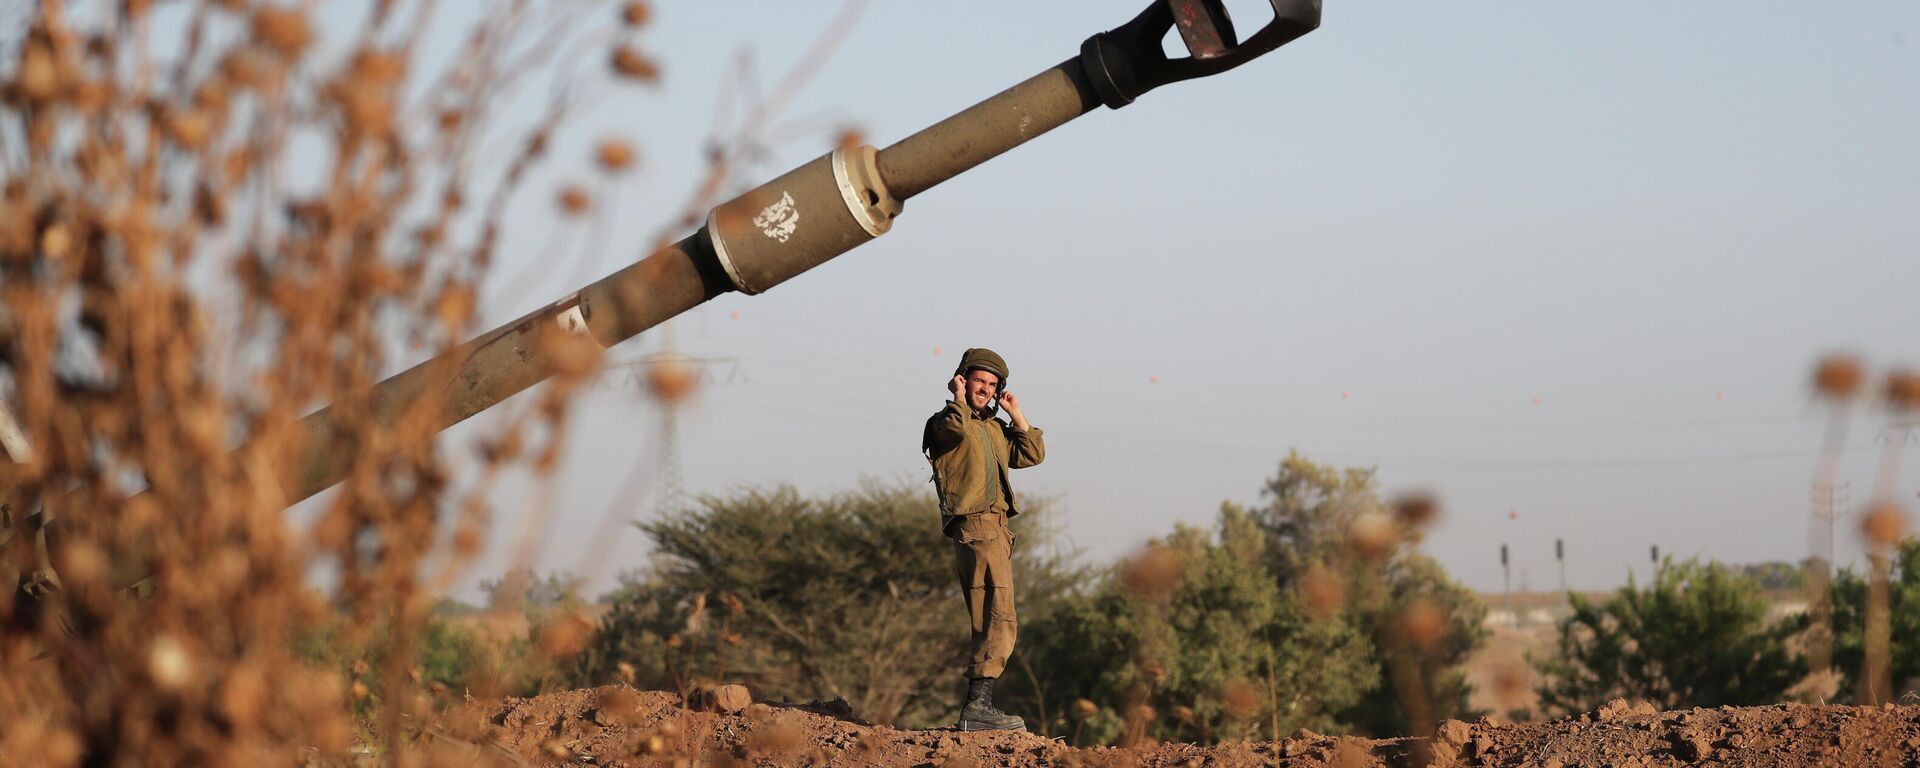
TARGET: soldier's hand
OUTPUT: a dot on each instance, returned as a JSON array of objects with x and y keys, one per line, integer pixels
[
  {"x": 956, "y": 386},
  {"x": 1009, "y": 402}
]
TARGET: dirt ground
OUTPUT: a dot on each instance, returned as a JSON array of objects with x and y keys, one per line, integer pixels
[{"x": 619, "y": 726}]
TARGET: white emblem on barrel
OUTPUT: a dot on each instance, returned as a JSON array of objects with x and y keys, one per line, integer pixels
[{"x": 779, "y": 220}]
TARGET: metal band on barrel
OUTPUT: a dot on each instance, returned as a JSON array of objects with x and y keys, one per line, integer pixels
[
  {"x": 855, "y": 196},
  {"x": 720, "y": 252}
]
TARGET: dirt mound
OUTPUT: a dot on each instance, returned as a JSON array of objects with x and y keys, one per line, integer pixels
[{"x": 619, "y": 726}]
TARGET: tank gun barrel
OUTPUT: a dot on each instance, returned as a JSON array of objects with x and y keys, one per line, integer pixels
[{"x": 800, "y": 220}]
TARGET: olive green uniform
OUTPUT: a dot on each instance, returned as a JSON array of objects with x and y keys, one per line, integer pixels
[{"x": 971, "y": 454}]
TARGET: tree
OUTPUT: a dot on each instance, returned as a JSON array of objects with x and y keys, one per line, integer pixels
[
  {"x": 1777, "y": 576},
  {"x": 849, "y": 596},
  {"x": 1416, "y": 586},
  {"x": 537, "y": 596},
  {"x": 1849, "y": 620},
  {"x": 1329, "y": 525},
  {"x": 1698, "y": 636},
  {"x": 1192, "y": 640}
]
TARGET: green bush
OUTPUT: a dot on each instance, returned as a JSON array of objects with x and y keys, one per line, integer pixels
[
  {"x": 450, "y": 658},
  {"x": 1307, "y": 516},
  {"x": 1237, "y": 619},
  {"x": 1224, "y": 652},
  {"x": 1849, "y": 622},
  {"x": 851, "y": 596},
  {"x": 854, "y": 596},
  {"x": 1697, "y": 636}
]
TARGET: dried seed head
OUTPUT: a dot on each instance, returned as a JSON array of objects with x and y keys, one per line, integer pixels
[
  {"x": 34, "y": 741},
  {"x": 1839, "y": 376},
  {"x": 627, "y": 672},
  {"x": 212, "y": 96},
  {"x": 1884, "y": 524},
  {"x": 55, "y": 241},
  {"x": 285, "y": 30},
  {"x": 1510, "y": 683},
  {"x": 849, "y": 138},
  {"x": 86, "y": 564},
  {"x": 671, "y": 381},
  {"x": 454, "y": 307},
  {"x": 615, "y": 155},
  {"x": 1424, "y": 624},
  {"x": 243, "y": 695},
  {"x": 466, "y": 541},
  {"x": 635, "y": 13},
  {"x": 377, "y": 67},
  {"x": 365, "y": 110},
  {"x": 1323, "y": 593},
  {"x": 38, "y": 78},
  {"x": 1241, "y": 699},
  {"x": 630, "y": 63},
  {"x": 246, "y": 68},
  {"x": 169, "y": 663},
  {"x": 1083, "y": 708},
  {"x": 1153, "y": 572},
  {"x": 1903, "y": 390},
  {"x": 189, "y": 128},
  {"x": 90, "y": 96},
  {"x": 1416, "y": 510},
  {"x": 574, "y": 200},
  {"x": 565, "y": 635},
  {"x": 1154, "y": 671},
  {"x": 1372, "y": 535}
]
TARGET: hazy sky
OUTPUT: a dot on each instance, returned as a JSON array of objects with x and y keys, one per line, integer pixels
[{"x": 1566, "y": 265}]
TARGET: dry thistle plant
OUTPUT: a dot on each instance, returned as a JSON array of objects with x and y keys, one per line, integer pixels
[
  {"x": 1882, "y": 526},
  {"x": 1837, "y": 380},
  {"x": 214, "y": 219}
]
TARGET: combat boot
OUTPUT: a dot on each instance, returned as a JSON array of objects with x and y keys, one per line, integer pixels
[{"x": 979, "y": 713}]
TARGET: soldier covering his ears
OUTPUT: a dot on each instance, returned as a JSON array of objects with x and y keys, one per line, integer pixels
[{"x": 971, "y": 450}]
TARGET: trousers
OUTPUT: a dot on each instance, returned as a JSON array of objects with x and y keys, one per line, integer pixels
[{"x": 983, "y": 560}]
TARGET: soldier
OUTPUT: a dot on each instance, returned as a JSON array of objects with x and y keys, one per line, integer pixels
[{"x": 971, "y": 451}]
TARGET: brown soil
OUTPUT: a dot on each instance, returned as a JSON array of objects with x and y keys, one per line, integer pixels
[{"x": 619, "y": 726}]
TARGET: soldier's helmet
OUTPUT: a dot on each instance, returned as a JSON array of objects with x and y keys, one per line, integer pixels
[{"x": 983, "y": 359}]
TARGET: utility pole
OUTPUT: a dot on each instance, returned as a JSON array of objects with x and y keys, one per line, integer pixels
[
  {"x": 1560, "y": 556},
  {"x": 1506, "y": 574}
]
